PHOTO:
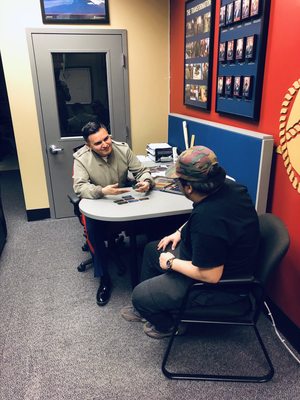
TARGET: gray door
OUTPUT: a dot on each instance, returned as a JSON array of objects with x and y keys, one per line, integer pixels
[{"x": 79, "y": 77}]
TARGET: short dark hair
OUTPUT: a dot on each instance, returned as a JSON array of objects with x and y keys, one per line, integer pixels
[
  {"x": 208, "y": 183},
  {"x": 90, "y": 128}
]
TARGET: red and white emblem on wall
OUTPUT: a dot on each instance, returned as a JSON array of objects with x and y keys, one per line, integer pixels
[{"x": 289, "y": 134}]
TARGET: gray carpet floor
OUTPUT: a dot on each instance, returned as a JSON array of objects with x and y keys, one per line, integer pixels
[{"x": 56, "y": 343}]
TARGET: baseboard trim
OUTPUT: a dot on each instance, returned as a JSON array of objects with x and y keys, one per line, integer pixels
[
  {"x": 38, "y": 214},
  {"x": 290, "y": 330}
]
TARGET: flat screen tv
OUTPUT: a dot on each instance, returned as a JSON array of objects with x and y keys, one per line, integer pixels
[{"x": 75, "y": 11}]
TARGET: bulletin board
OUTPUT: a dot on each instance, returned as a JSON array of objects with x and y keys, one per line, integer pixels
[
  {"x": 243, "y": 26},
  {"x": 245, "y": 155}
]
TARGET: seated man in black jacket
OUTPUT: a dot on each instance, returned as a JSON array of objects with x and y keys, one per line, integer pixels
[{"x": 219, "y": 240}]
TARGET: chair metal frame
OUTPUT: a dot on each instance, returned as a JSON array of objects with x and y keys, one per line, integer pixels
[{"x": 269, "y": 259}]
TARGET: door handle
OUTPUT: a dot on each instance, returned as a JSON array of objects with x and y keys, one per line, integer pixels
[{"x": 54, "y": 150}]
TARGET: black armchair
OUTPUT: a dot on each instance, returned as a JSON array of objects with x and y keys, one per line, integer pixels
[{"x": 273, "y": 246}]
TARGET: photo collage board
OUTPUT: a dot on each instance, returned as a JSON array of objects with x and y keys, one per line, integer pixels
[
  {"x": 243, "y": 26},
  {"x": 199, "y": 29}
]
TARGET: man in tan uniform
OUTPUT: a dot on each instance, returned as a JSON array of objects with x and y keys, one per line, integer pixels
[{"x": 101, "y": 168}]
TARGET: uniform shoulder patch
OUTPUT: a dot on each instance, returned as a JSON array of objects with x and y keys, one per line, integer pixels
[
  {"x": 120, "y": 143},
  {"x": 83, "y": 150}
]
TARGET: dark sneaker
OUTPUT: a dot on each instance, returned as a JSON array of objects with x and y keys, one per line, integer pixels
[
  {"x": 131, "y": 314},
  {"x": 151, "y": 331}
]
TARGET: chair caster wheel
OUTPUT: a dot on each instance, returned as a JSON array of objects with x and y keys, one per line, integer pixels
[{"x": 81, "y": 267}]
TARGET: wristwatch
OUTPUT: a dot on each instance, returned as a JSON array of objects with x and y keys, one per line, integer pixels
[{"x": 169, "y": 262}]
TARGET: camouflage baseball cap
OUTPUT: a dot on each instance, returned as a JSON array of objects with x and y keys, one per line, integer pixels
[{"x": 193, "y": 164}]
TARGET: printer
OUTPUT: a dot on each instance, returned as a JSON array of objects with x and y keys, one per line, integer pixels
[{"x": 159, "y": 152}]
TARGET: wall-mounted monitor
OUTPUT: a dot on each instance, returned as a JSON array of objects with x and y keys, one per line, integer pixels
[{"x": 75, "y": 11}]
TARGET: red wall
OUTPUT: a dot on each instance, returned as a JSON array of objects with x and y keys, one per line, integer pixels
[{"x": 282, "y": 69}]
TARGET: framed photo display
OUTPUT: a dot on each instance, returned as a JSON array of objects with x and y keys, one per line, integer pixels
[
  {"x": 222, "y": 51},
  {"x": 228, "y": 85},
  {"x": 237, "y": 86},
  {"x": 237, "y": 10},
  {"x": 239, "y": 49},
  {"x": 245, "y": 9},
  {"x": 229, "y": 13},
  {"x": 243, "y": 26},
  {"x": 198, "y": 52},
  {"x": 250, "y": 47},
  {"x": 220, "y": 85},
  {"x": 230, "y": 50}
]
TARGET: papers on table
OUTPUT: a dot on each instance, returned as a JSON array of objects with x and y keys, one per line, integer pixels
[
  {"x": 155, "y": 168},
  {"x": 158, "y": 170}
]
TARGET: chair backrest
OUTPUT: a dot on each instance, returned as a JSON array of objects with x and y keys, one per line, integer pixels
[
  {"x": 273, "y": 246},
  {"x": 77, "y": 148}
]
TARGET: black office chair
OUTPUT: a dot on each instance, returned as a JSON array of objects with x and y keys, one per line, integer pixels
[
  {"x": 115, "y": 241},
  {"x": 273, "y": 246},
  {"x": 74, "y": 200}
]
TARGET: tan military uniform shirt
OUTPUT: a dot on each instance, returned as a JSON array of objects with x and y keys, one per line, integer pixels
[{"x": 91, "y": 172}]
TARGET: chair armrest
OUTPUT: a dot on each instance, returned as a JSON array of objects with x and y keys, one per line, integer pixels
[
  {"x": 242, "y": 282},
  {"x": 224, "y": 282},
  {"x": 74, "y": 199}
]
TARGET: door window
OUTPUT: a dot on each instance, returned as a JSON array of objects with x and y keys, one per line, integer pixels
[{"x": 81, "y": 91}]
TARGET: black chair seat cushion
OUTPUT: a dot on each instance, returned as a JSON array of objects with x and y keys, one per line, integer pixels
[{"x": 218, "y": 305}]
